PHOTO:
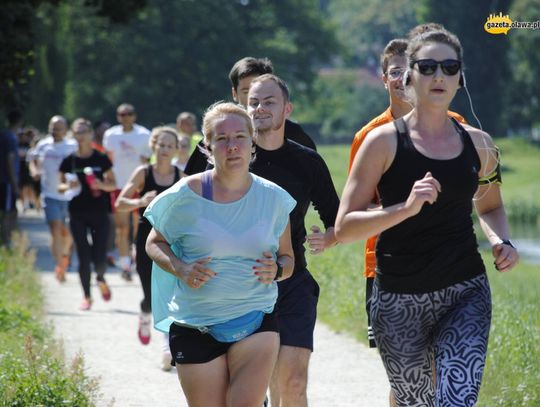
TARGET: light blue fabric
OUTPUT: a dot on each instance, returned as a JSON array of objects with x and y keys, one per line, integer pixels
[{"x": 234, "y": 234}]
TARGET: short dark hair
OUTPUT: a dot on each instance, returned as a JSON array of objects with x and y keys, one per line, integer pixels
[
  {"x": 249, "y": 66},
  {"x": 280, "y": 82},
  {"x": 397, "y": 46}
]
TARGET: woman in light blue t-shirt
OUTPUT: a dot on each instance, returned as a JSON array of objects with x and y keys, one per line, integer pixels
[{"x": 220, "y": 241}]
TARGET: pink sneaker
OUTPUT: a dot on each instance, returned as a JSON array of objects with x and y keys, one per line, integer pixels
[
  {"x": 86, "y": 304},
  {"x": 105, "y": 290},
  {"x": 145, "y": 327}
]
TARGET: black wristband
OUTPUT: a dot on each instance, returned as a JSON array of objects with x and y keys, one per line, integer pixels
[
  {"x": 508, "y": 243},
  {"x": 279, "y": 272}
]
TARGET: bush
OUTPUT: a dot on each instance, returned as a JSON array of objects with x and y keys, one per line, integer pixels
[{"x": 32, "y": 367}]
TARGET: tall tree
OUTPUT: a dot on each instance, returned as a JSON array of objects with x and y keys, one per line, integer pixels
[
  {"x": 18, "y": 42},
  {"x": 485, "y": 56},
  {"x": 365, "y": 27},
  {"x": 523, "y": 94},
  {"x": 175, "y": 56}
]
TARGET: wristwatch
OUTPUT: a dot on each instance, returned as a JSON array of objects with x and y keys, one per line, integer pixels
[{"x": 279, "y": 272}]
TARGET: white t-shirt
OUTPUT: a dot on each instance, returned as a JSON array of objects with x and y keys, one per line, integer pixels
[
  {"x": 50, "y": 155},
  {"x": 127, "y": 150}
]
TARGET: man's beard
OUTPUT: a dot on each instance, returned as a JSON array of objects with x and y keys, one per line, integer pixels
[{"x": 272, "y": 126}]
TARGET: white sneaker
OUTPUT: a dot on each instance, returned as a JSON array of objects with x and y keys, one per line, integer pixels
[
  {"x": 145, "y": 327},
  {"x": 166, "y": 361}
]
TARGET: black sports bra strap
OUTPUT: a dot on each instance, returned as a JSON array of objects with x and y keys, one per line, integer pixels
[
  {"x": 465, "y": 136},
  {"x": 206, "y": 183},
  {"x": 403, "y": 134}
]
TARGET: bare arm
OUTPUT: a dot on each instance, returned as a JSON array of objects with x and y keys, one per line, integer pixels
[
  {"x": 135, "y": 184},
  {"x": 267, "y": 267},
  {"x": 109, "y": 182},
  {"x": 490, "y": 208},
  {"x": 159, "y": 250},
  {"x": 355, "y": 219}
]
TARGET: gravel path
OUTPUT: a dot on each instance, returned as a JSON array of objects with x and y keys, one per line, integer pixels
[{"x": 343, "y": 373}]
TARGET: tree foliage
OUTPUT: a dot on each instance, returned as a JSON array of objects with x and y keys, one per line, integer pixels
[
  {"x": 523, "y": 96},
  {"x": 175, "y": 55},
  {"x": 365, "y": 27},
  {"x": 19, "y": 37},
  {"x": 485, "y": 56}
]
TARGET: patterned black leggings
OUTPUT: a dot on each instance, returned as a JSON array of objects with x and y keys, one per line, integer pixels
[{"x": 449, "y": 327}]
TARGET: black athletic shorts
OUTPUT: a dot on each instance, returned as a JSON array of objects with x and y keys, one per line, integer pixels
[
  {"x": 297, "y": 310},
  {"x": 189, "y": 345}
]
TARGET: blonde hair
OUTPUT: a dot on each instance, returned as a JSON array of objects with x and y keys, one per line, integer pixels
[
  {"x": 217, "y": 111},
  {"x": 158, "y": 131}
]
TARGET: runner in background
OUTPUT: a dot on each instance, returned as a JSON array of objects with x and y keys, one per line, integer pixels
[
  {"x": 89, "y": 172},
  {"x": 147, "y": 182},
  {"x": 127, "y": 145},
  {"x": 46, "y": 159}
]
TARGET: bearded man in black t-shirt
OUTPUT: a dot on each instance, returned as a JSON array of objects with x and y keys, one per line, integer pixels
[{"x": 303, "y": 174}]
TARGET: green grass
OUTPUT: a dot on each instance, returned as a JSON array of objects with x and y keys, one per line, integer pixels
[
  {"x": 512, "y": 371},
  {"x": 32, "y": 368}
]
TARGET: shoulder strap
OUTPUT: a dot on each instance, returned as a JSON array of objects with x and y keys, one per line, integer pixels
[
  {"x": 403, "y": 133},
  {"x": 206, "y": 183},
  {"x": 467, "y": 141},
  {"x": 176, "y": 173}
]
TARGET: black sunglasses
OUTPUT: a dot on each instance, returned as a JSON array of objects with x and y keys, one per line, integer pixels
[
  {"x": 429, "y": 66},
  {"x": 123, "y": 114}
]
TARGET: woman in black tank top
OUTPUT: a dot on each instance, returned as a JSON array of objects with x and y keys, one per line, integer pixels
[
  {"x": 431, "y": 300},
  {"x": 147, "y": 182}
]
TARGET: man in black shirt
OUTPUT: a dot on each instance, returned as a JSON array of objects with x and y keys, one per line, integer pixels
[
  {"x": 241, "y": 75},
  {"x": 303, "y": 174}
]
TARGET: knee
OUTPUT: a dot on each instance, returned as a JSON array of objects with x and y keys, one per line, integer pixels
[{"x": 294, "y": 384}]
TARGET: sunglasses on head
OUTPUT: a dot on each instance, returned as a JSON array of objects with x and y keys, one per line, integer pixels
[
  {"x": 429, "y": 66},
  {"x": 126, "y": 114}
]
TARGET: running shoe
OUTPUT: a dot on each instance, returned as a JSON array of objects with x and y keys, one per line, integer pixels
[
  {"x": 60, "y": 273},
  {"x": 126, "y": 274},
  {"x": 86, "y": 304},
  {"x": 105, "y": 290},
  {"x": 166, "y": 360},
  {"x": 145, "y": 327}
]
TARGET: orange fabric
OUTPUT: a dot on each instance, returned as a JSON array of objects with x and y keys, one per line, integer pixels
[
  {"x": 370, "y": 262},
  {"x": 360, "y": 136},
  {"x": 98, "y": 147},
  {"x": 457, "y": 116}
]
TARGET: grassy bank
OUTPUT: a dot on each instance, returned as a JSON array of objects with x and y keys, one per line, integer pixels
[
  {"x": 32, "y": 368},
  {"x": 513, "y": 366}
]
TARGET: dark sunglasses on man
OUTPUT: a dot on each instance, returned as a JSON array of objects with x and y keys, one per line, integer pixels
[{"x": 123, "y": 114}]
